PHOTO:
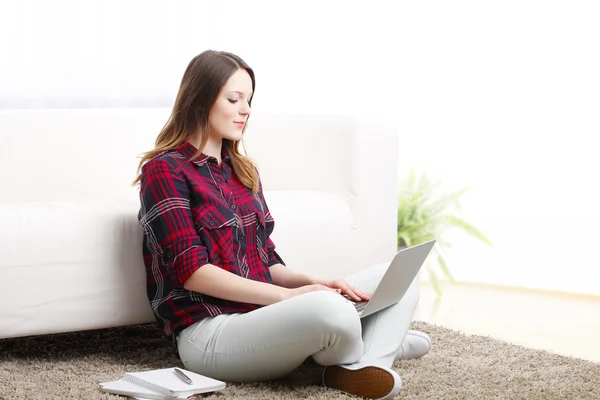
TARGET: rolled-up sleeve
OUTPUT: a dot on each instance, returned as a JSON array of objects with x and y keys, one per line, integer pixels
[
  {"x": 167, "y": 221},
  {"x": 274, "y": 258}
]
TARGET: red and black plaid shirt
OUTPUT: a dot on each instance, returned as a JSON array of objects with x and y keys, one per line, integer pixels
[{"x": 194, "y": 213}]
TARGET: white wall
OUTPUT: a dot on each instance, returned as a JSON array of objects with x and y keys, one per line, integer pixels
[
  {"x": 502, "y": 96},
  {"x": 308, "y": 57},
  {"x": 505, "y": 97}
]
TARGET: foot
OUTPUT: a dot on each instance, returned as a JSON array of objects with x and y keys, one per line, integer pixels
[
  {"x": 416, "y": 344},
  {"x": 367, "y": 381}
]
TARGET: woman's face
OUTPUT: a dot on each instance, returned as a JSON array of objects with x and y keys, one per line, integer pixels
[{"x": 227, "y": 117}]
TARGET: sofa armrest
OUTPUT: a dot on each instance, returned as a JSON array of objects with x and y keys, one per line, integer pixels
[{"x": 375, "y": 184}]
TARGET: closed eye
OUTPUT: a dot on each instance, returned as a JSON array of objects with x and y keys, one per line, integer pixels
[{"x": 232, "y": 101}]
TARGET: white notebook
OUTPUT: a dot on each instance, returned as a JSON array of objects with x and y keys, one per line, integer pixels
[{"x": 161, "y": 384}]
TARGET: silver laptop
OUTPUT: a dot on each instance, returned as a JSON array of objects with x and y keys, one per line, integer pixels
[{"x": 396, "y": 280}]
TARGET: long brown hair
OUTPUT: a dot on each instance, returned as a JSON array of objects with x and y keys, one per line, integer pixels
[{"x": 202, "y": 81}]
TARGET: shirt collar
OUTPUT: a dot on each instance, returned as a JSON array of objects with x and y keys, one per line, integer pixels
[{"x": 188, "y": 150}]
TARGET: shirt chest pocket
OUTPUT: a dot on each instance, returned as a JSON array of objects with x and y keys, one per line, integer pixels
[{"x": 217, "y": 227}]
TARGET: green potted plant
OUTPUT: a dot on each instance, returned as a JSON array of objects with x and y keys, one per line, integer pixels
[{"x": 426, "y": 212}]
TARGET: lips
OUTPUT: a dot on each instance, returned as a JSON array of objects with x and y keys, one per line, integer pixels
[{"x": 239, "y": 123}]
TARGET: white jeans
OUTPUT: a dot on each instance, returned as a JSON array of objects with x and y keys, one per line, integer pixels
[{"x": 272, "y": 341}]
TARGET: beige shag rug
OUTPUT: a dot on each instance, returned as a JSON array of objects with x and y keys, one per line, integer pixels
[{"x": 459, "y": 366}]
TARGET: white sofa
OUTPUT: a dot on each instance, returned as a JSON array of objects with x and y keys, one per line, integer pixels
[{"x": 70, "y": 243}]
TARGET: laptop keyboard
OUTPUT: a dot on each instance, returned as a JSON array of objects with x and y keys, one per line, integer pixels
[{"x": 360, "y": 306}]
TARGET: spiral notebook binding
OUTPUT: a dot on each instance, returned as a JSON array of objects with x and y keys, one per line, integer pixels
[{"x": 153, "y": 386}]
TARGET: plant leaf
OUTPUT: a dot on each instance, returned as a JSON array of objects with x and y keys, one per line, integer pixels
[
  {"x": 468, "y": 228},
  {"x": 451, "y": 199},
  {"x": 444, "y": 267},
  {"x": 434, "y": 281},
  {"x": 425, "y": 212}
]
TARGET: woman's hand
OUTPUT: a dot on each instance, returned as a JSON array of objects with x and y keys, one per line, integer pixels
[{"x": 346, "y": 289}]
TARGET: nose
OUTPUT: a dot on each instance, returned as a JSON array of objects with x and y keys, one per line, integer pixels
[{"x": 245, "y": 109}]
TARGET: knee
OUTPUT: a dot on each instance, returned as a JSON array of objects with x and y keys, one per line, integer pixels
[
  {"x": 334, "y": 312},
  {"x": 327, "y": 303}
]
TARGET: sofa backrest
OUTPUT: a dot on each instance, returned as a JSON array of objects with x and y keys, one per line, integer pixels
[
  {"x": 57, "y": 155},
  {"x": 79, "y": 155}
]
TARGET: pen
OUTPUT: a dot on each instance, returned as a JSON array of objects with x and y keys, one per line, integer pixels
[{"x": 183, "y": 376}]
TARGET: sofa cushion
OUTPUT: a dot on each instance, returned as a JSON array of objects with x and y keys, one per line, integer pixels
[
  {"x": 315, "y": 232},
  {"x": 78, "y": 265},
  {"x": 70, "y": 265}
]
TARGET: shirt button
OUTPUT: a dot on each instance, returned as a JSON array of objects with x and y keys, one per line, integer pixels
[
  {"x": 233, "y": 206},
  {"x": 168, "y": 256},
  {"x": 211, "y": 223}
]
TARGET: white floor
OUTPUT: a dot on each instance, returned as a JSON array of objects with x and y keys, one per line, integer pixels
[{"x": 568, "y": 325}]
